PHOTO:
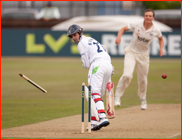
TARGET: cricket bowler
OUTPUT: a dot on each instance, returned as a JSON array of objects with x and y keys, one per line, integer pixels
[{"x": 136, "y": 53}]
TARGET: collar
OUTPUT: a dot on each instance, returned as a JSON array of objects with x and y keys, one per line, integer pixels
[{"x": 152, "y": 28}]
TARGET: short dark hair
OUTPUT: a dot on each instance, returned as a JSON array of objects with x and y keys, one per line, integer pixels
[{"x": 149, "y": 10}]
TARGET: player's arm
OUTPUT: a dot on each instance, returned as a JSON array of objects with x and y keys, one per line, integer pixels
[
  {"x": 85, "y": 61},
  {"x": 121, "y": 31},
  {"x": 161, "y": 44},
  {"x": 84, "y": 57}
]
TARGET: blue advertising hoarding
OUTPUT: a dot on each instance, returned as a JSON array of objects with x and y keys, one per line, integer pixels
[{"x": 56, "y": 43}]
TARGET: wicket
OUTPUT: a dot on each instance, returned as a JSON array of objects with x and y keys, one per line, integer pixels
[{"x": 89, "y": 108}]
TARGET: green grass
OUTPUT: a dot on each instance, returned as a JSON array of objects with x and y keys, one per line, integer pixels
[{"x": 22, "y": 103}]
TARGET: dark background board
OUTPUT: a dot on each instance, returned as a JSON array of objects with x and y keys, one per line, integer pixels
[{"x": 41, "y": 42}]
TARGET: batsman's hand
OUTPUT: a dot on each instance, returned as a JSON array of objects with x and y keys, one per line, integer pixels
[{"x": 117, "y": 41}]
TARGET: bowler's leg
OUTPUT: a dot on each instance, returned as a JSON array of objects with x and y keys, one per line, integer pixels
[
  {"x": 142, "y": 69},
  {"x": 124, "y": 81}
]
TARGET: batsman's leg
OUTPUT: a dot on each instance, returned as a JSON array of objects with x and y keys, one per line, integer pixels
[
  {"x": 101, "y": 78},
  {"x": 93, "y": 107}
]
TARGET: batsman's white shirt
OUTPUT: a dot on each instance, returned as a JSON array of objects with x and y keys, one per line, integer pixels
[
  {"x": 90, "y": 50},
  {"x": 141, "y": 39},
  {"x": 97, "y": 60}
]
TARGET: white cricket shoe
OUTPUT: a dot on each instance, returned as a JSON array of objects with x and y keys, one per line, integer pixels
[
  {"x": 143, "y": 104},
  {"x": 117, "y": 101},
  {"x": 102, "y": 123}
]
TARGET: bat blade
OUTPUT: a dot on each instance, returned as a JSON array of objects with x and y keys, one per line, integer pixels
[{"x": 110, "y": 101}]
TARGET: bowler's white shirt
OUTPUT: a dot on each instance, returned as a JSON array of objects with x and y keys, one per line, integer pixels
[
  {"x": 90, "y": 50},
  {"x": 142, "y": 38}
]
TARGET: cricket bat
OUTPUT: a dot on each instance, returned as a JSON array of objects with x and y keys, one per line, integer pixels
[{"x": 110, "y": 112}]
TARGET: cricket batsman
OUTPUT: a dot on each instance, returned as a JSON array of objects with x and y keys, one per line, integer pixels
[{"x": 95, "y": 58}]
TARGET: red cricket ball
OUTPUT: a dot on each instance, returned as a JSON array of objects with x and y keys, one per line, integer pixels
[{"x": 164, "y": 76}]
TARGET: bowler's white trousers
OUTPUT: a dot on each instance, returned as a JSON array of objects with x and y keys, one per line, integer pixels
[
  {"x": 99, "y": 75},
  {"x": 141, "y": 60}
]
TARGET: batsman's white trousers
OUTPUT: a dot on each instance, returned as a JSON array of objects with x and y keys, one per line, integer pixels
[
  {"x": 141, "y": 60},
  {"x": 99, "y": 79}
]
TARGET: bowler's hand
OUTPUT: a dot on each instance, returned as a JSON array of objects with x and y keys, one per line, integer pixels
[
  {"x": 161, "y": 53},
  {"x": 117, "y": 41}
]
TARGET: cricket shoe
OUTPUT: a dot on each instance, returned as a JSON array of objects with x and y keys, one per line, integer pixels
[
  {"x": 102, "y": 123},
  {"x": 143, "y": 104},
  {"x": 117, "y": 101}
]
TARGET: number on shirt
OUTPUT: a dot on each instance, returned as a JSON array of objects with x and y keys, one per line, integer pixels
[{"x": 99, "y": 49}]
